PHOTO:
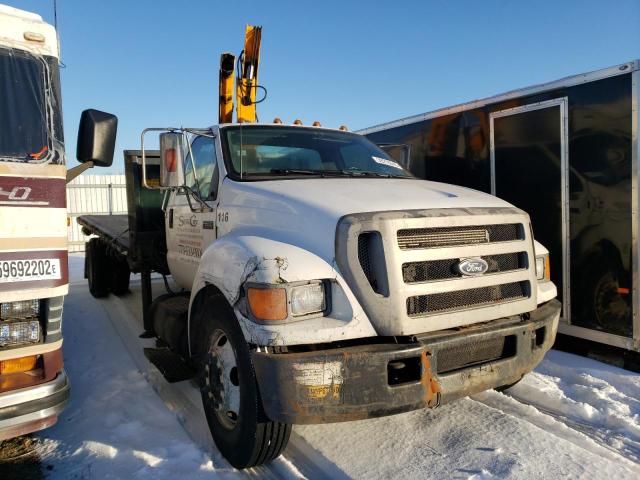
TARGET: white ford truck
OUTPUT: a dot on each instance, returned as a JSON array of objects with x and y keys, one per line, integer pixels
[{"x": 322, "y": 281}]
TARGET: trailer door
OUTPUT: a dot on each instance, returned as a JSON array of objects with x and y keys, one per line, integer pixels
[{"x": 528, "y": 169}]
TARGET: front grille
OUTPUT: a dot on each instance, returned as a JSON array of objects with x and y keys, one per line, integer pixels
[
  {"x": 414, "y": 272},
  {"x": 409, "y": 238},
  {"x": 461, "y": 299},
  {"x": 474, "y": 353}
]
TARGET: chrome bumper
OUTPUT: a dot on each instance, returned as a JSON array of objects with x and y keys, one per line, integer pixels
[{"x": 27, "y": 409}]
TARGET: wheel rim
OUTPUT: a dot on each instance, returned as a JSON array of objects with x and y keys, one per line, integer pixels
[{"x": 222, "y": 380}]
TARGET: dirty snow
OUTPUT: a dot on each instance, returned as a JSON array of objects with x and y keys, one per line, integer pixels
[
  {"x": 573, "y": 417},
  {"x": 115, "y": 426}
]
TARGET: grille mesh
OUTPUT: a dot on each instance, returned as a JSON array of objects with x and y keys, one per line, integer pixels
[
  {"x": 414, "y": 272},
  {"x": 474, "y": 353},
  {"x": 364, "y": 256},
  {"x": 460, "y": 299},
  {"x": 409, "y": 238}
]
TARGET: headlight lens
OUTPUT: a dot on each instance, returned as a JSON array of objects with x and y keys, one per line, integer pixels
[
  {"x": 17, "y": 333},
  {"x": 308, "y": 299},
  {"x": 19, "y": 310},
  {"x": 543, "y": 270}
]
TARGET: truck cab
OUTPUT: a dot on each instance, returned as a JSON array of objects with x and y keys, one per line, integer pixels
[
  {"x": 318, "y": 280},
  {"x": 328, "y": 284}
]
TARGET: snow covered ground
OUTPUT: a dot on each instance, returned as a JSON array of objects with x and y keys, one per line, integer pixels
[{"x": 572, "y": 417}]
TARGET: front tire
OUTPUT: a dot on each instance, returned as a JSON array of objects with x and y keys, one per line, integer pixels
[{"x": 230, "y": 396}]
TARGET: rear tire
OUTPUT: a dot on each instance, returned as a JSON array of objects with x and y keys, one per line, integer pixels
[
  {"x": 120, "y": 274},
  {"x": 230, "y": 396},
  {"x": 97, "y": 268}
]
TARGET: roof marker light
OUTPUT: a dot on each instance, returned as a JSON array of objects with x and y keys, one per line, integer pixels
[
  {"x": 343, "y": 128},
  {"x": 316, "y": 124},
  {"x": 277, "y": 120},
  {"x": 297, "y": 121},
  {"x": 33, "y": 37}
]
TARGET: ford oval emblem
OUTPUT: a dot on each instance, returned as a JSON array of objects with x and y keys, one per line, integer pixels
[{"x": 472, "y": 266}]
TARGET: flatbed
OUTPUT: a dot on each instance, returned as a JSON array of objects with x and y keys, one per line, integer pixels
[
  {"x": 132, "y": 242},
  {"x": 111, "y": 228}
]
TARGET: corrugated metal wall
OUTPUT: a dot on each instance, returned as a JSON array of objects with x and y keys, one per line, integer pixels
[{"x": 95, "y": 195}]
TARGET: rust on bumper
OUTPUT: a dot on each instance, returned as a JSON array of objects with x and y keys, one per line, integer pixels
[{"x": 367, "y": 381}]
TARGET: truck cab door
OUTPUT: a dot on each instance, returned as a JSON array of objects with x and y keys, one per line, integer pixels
[{"x": 190, "y": 226}]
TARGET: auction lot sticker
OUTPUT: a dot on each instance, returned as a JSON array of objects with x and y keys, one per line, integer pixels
[{"x": 29, "y": 270}]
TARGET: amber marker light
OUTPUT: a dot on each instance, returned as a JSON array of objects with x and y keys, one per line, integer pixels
[
  {"x": 297, "y": 121},
  {"x": 547, "y": 268},
  {"x": 268, "y": 304},
  {"x": 18, "y": 365}
]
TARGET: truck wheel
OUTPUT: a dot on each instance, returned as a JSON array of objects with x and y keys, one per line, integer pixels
[
  {"x": 120, "y": 274},
  {"x": 232, "y": 404},
  {"x": 97, "y": 268}
]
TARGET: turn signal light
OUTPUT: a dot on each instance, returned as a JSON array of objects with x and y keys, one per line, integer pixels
[
  {"x": 268, "y": 303},
  {"x": 547, "y": 268},
  {"x": 17, "y": 365}
]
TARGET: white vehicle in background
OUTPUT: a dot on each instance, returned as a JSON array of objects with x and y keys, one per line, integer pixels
[
  {"x": 33, "y": 222},
  {"x": 323, "y": 282}
]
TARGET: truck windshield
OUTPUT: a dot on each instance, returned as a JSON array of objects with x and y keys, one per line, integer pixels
[
  {"x": 263, "y": 151},
  {"x": 26, "y": 103}
]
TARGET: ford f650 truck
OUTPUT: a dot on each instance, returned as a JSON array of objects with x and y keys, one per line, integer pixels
[
  {"x": 322, "y": 281},
  {"x": 33, "y": 222}
]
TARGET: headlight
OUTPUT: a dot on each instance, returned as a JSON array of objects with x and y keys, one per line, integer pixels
[
  {"x": 17, "y": 333},
  {"x": 276, "y": 303},
  {"x": 543, "y": 269},
  {"x": 19, "y": 310},
  {"x": 307, "y": 299}
]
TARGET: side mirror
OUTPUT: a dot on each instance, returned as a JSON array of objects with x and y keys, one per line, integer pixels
[
  {"x": 171, "y": 160},
  {"x": 97, "y": 138},
  {"x": 400, "y": 152}
]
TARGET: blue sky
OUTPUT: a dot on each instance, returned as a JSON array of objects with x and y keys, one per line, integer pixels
[{"x": 155, "y": 63}]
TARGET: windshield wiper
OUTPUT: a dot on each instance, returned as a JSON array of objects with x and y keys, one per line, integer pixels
[
  {"x": 324, "y": 173},
  {"x": 294, "y": 171}
]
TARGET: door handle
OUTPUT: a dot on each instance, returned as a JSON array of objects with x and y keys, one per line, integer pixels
[{"x": 171, "y": 218}]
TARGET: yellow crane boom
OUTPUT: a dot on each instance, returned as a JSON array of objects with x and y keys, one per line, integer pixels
[
  {"x": 227, "y": 65},
  {"x": 247, "y": 83}
]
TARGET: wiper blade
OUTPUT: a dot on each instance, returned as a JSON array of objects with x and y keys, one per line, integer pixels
[{"x": 293, "y": 171}]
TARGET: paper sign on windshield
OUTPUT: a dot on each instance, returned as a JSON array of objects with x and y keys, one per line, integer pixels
[{"x": 388, "y": 163}]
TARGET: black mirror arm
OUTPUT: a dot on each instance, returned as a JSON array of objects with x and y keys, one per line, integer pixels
[{"x": 78, "y": 170}]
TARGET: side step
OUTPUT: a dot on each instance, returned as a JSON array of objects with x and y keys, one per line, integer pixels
[{"x": 171, "y": 365}]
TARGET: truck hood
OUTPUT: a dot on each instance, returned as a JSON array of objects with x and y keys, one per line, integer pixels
[{"x": 305, "y": 212}]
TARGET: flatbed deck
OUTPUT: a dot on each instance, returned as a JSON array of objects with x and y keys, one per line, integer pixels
[{"x": 114, "y": 229}]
